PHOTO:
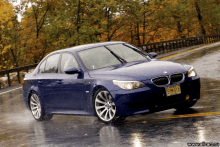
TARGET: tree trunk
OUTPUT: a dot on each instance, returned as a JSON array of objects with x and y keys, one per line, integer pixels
[
  {"x": 108, "y": 25},
  {"x": 200, "y": 18},
  {"x": 138, "y": 34},
  {"x": 78, "y": 20},
  {"x": 131, "y": 35},
  {"x": 144, "y": 26}
]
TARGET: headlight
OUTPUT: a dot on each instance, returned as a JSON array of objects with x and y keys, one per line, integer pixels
[
  {"x": 191, "y": 72},
  {"x": 129, "y": 85}
]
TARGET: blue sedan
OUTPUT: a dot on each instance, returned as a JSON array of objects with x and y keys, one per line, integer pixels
[{"x": 111, "y": 80}]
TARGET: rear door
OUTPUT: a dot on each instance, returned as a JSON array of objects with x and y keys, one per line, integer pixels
[{"x": 47, "y": 81}]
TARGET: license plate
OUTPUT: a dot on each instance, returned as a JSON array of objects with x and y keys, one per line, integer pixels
[{"x": 173, "y": 90}]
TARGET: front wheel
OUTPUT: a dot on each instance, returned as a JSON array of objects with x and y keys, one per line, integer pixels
[
  {"x": 105, "y": 108},
  {"x": 37, "y": 109}
]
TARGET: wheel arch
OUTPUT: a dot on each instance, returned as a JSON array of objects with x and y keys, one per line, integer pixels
[{"x": 97, "y": 87}]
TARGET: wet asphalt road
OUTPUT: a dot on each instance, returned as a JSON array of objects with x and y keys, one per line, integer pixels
[{"x": 166, "y": 128}]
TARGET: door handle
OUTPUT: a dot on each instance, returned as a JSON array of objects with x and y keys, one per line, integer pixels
[
  {"x": 40, "y": 82},
  {"x": 59, "y": 82}
]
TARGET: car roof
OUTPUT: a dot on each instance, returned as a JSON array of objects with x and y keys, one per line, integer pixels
[{"x": 87, "y": 46}]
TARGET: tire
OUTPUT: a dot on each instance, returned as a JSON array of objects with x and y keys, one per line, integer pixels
[
  {"x": 186, "y": 105},
  {"x": 105, "y": 108},
  {"x": 37, "y": 108},
  {"x": 48, "y": 117}
]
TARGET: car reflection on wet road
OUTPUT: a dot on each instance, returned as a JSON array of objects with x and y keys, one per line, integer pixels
[{"x": 166, "y": 128}]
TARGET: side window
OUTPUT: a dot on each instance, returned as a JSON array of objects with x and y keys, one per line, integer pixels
[
  {"x": 52, "y": 64},
  {"x": 41, "y": 68},
  {"x": 67, "y": 61}
]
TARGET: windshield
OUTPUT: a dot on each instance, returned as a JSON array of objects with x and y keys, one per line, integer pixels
[
  {"x": 110, "y": 55},
  {"x": 128, "y": 53},
  {"x": 98, "y": 58}
]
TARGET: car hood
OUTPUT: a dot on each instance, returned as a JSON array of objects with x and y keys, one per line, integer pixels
[{"x": 139, "y": 70}]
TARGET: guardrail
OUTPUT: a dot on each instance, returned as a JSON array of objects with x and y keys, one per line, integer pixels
[
  {"x": 17, "y": 69},
  {"x": 158, "y": 47},
  {"x": 172, "y": 45}
]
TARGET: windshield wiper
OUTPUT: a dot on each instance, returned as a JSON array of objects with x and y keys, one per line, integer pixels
[
  {"x": 145, "y": 54},
  {"x": 137, "y": 50},
  {"x": 117, "y": 56}
]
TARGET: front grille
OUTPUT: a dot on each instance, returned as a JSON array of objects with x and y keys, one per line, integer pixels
[
  {"x": 176, "y": 78},
  {"x": 160, "y": 81}
]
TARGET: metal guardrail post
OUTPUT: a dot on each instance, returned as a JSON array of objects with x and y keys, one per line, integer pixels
[
  {"x": 18, "y": 74},
  {"x": 9, "y": 82}
]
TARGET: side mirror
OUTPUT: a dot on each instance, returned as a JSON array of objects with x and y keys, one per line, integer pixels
[
  {"x": 152, "y": 54},
  {"x": 72, "y": 70}
]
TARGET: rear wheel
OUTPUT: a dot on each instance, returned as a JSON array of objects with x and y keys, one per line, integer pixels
[
  {"x": 37, "y": 109},
  {"x": 105, "y": 108}
]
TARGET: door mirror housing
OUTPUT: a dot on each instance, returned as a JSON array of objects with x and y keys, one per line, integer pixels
[
  {"x": 72, "y": 70},
  {"x": 153, "y": 54}
]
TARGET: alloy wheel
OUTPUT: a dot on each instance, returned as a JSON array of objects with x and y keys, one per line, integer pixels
[
  {"x": 35, "y": 106},
  {"x": 104, "y": 106}
]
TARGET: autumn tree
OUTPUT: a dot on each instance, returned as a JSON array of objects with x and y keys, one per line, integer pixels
[
  {"x": 35, "y": 22},
  {"x": 8, "y": 56},
  {"x": 49, "y": 25}
]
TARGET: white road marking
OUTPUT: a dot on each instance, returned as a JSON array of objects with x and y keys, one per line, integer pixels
[{"x": 10, "y": 90}]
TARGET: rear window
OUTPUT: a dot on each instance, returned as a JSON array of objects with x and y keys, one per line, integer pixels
[
  {"x": 52, "y": 64},
  {"x": 42, "y": 66}
]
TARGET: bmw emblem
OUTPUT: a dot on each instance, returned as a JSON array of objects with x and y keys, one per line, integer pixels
[{"x": 165, "y": 72}]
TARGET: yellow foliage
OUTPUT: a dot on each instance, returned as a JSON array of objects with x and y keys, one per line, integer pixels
[
  {"x": 6, "y": 12},
  {"x": 6, "y": 48}
]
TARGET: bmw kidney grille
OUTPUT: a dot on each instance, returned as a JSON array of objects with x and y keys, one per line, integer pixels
[{"x": 165, "y": 80}]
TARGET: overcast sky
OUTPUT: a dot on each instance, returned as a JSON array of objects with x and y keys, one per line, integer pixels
[{"x": 15, "y": 3}]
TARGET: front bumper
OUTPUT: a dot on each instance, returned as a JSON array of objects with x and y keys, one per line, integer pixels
[{"x": 152, "y": 98}]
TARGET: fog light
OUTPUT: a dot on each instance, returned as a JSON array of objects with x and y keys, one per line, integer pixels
[{"x": 187, "y": 97}]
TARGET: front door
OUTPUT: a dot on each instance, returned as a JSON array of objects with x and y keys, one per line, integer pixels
[{"x": 71, "y": 86}]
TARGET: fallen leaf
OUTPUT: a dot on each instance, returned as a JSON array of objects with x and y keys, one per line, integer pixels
[{"x": 144, "y": 122}]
